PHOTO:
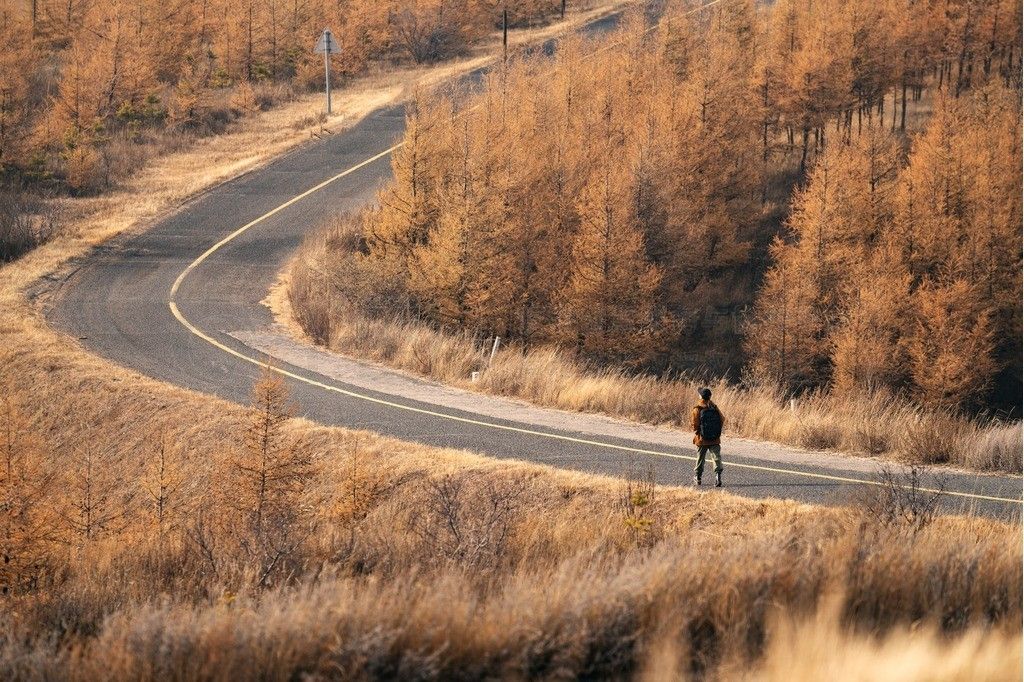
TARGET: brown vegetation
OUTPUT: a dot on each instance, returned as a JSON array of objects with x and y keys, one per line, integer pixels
[
  {"x": 90, "y": 89},
  {"x": 903, "y": 275},
  {"x": 624, "y": 220},
  {"x": 387, "y": 559},
  {"x": 616, "y": 215},
  {"x": 26, "y": 222}
]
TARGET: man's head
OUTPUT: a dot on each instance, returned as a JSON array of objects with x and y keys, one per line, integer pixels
[{"x": 704, "y": 393}]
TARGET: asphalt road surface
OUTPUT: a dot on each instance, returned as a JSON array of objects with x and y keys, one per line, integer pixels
[{"x": 119, "y": 302}]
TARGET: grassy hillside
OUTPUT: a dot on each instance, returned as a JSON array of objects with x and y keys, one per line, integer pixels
[
  {"x": 826, "y": 225},
  {"x": 140, "y": 554},
  {"x": 136, "y": 552}
]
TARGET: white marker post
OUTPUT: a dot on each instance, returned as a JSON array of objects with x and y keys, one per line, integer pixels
[
  {"x": 327, "y": 46},
  {"x": 494, "y": 350}
]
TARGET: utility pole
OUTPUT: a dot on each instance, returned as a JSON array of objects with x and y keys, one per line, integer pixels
[{"x": 328, "y": 46}]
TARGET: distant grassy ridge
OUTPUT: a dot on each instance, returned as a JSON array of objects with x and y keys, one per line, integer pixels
[{"x": 329, "y": 288}]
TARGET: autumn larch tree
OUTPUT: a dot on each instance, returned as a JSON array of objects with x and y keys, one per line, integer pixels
[
  {"x": 607, "y": 308},
  {"x": 26, "y": 517},
  {"x": 269, "y": 473}
]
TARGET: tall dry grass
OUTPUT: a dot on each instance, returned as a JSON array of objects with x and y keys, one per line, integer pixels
[
  {"x": 435, "y": 564},
  {"x": 25, "y": 222},
  {"x": 340, "y": 301},
  {"x": 816, "y": 648},
  {"x": 599, "y": 620}
]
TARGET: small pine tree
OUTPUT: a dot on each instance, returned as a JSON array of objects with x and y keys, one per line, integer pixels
[
  {"x": 785, "y": 336},
  {"x": 15, "y": 110},
  {"x": 25, "y": 482},
  {"x": 406, "y": 215},
  {"x": 98, "y": 503},
  {"x": 869, "y": 345},
  {"x": 269, "y": 474},
  {"x": 164, "y": 483}
]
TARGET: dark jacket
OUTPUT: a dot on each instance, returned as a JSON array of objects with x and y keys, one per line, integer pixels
[{"x": 695, "y": 424}]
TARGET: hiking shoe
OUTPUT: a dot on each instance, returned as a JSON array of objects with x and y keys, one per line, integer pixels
[
  {"x": 696, "y": 479},
  {"x": 718, "y": 480}
]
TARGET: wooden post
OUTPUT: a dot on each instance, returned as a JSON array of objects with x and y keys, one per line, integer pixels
[{"x": 563, "y": 9}]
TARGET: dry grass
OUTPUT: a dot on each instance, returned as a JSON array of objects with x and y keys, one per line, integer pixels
[
  {"x": 405, "y": 575},
  {"x": 384, "y": 588},
  {"x": 815, "y": 649},
  {"x": 612, "y": 618},
  {"x": 334, "y": 312}
]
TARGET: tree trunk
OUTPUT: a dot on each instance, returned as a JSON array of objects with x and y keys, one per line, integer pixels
[
  {"x": 248, "y": 47},
  {"x": 803, "y": 155},
  {"x": 894, "y": 107},
  {"x": 903, "y": 108}
]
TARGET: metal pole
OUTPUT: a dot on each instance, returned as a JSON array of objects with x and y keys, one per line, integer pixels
[{"x": 327, "y": 71}]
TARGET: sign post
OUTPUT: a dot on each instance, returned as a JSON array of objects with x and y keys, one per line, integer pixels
[{"x": 327, "y": 46}]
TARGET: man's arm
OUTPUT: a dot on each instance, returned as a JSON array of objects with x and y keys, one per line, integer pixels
[{"x": 695, "y": 420}]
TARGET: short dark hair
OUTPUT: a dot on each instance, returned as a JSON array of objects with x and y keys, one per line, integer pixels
[{"x": 704, "y": 393}]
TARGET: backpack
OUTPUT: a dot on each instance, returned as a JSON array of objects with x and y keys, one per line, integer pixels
[{"x": 710, "y": 423}]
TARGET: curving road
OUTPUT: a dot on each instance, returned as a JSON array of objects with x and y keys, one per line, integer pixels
[{"x": 174, "y": 302}]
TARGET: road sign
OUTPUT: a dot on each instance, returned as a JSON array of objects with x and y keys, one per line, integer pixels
[{"x": 327, "y": 46}]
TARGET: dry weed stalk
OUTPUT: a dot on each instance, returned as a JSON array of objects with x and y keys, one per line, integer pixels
[{"x": 637, "y": 503}]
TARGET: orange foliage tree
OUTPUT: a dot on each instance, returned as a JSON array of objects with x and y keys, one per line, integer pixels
[{"x": 912, "y": 270}]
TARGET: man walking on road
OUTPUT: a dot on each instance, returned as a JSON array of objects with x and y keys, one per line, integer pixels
[{"x": 707, "y": 422}]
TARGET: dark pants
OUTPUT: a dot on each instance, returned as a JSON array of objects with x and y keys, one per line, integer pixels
[{"x": 702, "y": 453}]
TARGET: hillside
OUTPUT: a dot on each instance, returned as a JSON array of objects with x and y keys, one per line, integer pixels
[{"x": 836, "y": 226}]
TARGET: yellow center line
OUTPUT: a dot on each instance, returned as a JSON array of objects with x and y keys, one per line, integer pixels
[{"x": 465, "y": 420}]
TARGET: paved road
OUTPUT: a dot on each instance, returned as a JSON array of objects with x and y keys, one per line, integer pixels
[{"x": 118, "y": 303}]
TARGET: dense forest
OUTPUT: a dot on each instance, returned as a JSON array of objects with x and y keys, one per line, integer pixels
[
  {"x": 904, "y": 272},
  {"x": 861, "y": 159},
  {"x": 85, "y": 84}
]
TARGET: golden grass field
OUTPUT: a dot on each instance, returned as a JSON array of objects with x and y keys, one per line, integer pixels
[
  {"x": 411, "y": 561},
  {"x": 393, "y": 560}
]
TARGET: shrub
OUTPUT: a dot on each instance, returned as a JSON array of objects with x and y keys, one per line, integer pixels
[
  {"x": 83, "y": 169},
  {"x": 26, "y": 221}
]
